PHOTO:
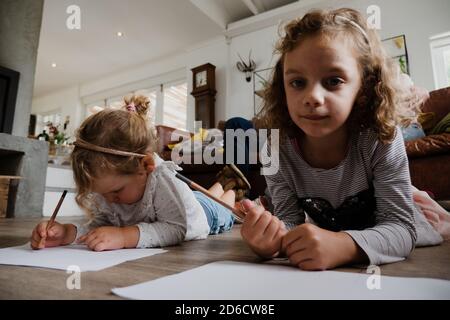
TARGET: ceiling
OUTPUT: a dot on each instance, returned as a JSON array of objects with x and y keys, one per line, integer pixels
[{"x": 152, "y": 29}]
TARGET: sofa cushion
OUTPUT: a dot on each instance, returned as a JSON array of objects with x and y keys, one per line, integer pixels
[
  {"x": 439, "y": 104},
  {"x": 427, "y": 146},
  {"x": 442, "y": 126},
  {"x": 164, "y": 134},
  {"x": 426, "y": 120}
]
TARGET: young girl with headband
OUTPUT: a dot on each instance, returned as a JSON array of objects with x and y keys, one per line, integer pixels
[
  {"x": 342, "y": 194},
  {"x": 132, "y": 196}
]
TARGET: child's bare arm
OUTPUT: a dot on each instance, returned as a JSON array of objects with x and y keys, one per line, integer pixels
[{"x": 110, "y": 238}]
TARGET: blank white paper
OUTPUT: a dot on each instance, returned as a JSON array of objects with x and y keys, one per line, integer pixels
[
  {"x": 71, "y": 255},
  {"x": 227, "y": 280}
]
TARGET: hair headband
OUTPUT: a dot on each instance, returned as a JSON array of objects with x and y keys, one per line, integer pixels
[
  {"x": 357, "y": 26},
  {"x": 89, "y": 146},
  {"x": 131, "y": 108}
]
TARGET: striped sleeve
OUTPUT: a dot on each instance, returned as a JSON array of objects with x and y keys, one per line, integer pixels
[
  {"x": 368, "y": 163},
  {"x": 285, "y": 201},
  {"x": 394, "y": 235},
  {"x": 282, "y": 195}
]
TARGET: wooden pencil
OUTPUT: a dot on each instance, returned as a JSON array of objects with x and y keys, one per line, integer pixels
[
  {"x": 55, "y": 212},
  {"x": 53, "y": 217},
  {"x": 238, "y": 214}
]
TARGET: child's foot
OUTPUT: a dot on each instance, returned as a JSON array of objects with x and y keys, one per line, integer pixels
[{"x": 231, "y": 178}]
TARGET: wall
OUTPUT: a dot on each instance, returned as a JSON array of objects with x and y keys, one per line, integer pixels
[
  {"x": 261, "y": 43},
  {"x": 397, "y": 17},
  {"x": 418, "y": 20},
  {"x": 235, "y": 95},
  {"x": 173, "y": 67},
  {"x": 58, "y": 180},
  {"x": 20, "y": 25},
  {"x": 67, "y": 101},
  {"x": 71, "y": 101}
]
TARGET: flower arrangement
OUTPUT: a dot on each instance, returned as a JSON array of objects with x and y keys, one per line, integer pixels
[{"x": 58, "y": 137}]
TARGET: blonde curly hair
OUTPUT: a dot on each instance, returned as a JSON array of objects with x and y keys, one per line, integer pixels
[
  {"x": 381, "y": 102},
  {"x": 114, "y": 129}
]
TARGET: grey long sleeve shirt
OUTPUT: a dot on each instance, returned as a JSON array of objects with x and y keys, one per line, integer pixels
[
  {"x": 167, "y": 214},
  {"x": 399, "y": 225}
]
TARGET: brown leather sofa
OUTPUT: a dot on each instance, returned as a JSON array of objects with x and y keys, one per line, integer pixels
[{"x": 429, "y": 157}]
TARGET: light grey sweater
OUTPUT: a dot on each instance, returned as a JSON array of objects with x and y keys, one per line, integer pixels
[
  {"x": 167, "y": 214},
  {"x": 399, "y": 225}
]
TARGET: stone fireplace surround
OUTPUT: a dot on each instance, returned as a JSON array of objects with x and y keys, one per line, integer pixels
[{"x": 21, "y": 156}]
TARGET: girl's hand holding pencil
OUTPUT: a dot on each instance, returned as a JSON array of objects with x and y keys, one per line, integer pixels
[
  {"x": 262, "y": 231},
  {"x": 51, "y": 233},
  {"x": 42, "y": 238}
]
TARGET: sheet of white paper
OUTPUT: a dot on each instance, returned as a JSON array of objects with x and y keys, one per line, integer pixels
[
  {"x": 72, "y": 255},
  {"x": 227, "y": 280}
]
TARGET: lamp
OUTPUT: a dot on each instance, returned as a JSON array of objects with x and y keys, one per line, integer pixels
[{"x": 246, "y": 67}]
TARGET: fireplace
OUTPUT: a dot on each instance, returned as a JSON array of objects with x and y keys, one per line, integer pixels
[
  {"x": 10, "y": 162},
  {"x": 9, "y": 81},
  {"x": 27, "y": 158}
]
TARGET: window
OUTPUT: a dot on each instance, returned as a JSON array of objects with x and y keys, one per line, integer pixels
[
  {"x": 168, "y": 104},
  {"x": 115, "y": 102},
  {"x": 175, "y": 105},
  {"x": 151, "y": 94},
  {"x": 440, "y": 53},
  {"x": 95, "y": 107},
  {"x": 446, "y": 55}
]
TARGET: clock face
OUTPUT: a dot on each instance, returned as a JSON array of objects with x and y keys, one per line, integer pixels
[{"x": 200, "y": 78}]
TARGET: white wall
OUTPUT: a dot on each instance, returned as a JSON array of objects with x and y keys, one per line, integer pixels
[
  {"x": 261, "y": 43},
  {"x": 417, "y": 19},
  {"x": 58, "y": 180},
  {"x": 156, "y": 72},
  {"x": 68, "y": 101}
]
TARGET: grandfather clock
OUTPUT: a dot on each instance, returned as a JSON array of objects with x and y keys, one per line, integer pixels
[{"x": 204, "y": 92}]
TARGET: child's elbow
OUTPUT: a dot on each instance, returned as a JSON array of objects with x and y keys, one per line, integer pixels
[{"x": 176, "y": 236}]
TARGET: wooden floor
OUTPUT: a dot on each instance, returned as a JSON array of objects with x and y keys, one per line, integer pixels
[{"x": 38, "y": 283}]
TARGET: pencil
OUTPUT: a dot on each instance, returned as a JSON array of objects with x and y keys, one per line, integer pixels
[
  {"x": 238, "y": 214},
  {"x": 53, "y": 217}
]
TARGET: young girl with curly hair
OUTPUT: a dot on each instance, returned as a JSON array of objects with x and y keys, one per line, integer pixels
[{"x": 342, "y": 193}]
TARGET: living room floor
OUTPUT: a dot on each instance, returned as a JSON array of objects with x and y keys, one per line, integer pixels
[{"x": 41, "y": 283}]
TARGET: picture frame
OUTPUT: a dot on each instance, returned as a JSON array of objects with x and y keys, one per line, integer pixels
[{"x": 397, "y": 50}]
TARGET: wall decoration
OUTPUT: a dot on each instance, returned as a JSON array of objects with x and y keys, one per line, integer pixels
[{"x": 396, "y": 49}]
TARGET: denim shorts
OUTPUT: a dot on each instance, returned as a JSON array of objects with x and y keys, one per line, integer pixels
[{"x": 219, "y": 218}]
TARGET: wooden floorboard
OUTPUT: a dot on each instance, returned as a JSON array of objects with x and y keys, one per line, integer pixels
[{"x": 39, "y": 283}]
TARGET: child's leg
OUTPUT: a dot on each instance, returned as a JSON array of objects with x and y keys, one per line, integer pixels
[
  {"x": 216, "y": 190},
  {"x": 219, "y": 218},
  {"x": 229, "y": 197}
]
